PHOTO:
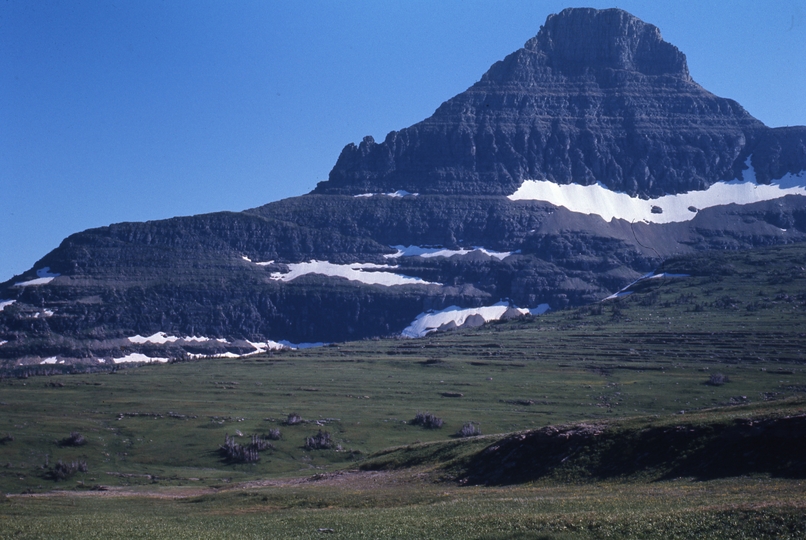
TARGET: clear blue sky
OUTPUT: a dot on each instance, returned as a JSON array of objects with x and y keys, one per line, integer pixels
[{"x": 141, "y": 109}]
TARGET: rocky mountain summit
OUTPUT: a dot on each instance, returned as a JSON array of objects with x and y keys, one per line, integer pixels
[
  {"x": 573, "y": 167},
  {"x": 596, "y": 96}
]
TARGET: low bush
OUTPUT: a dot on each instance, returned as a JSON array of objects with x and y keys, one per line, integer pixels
[
  {"x": 469, "y": 430},
  {"x": 320, "y": 441},
  {"x": 274, "y": 434},
  {"x": 717, "y": 379},
  {"x": 233, "y": 451},
  {"x": 62, "y": 471},
  {"x": 293, "y": 419},
  {"x": 427, "y": 420},
  {"x": 260, "y": 444},
  {"x": 75, "y": 439}
]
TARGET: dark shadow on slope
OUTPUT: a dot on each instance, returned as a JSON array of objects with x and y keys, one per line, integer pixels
[{"x": 704, "y": 451}]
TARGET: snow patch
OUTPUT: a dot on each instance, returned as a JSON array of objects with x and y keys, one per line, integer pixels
[
  {"x": 160, "y": 338},
  {"x": 428, "y": 252},
  {"x": 362, "y": 272},
  {"x": 265, "y": 346},
  {"x": 3, "y": 342},
  {"x": 138, "y": 357},
  {"x": 626, "y": 292},
  {"x": 4, "y": 303},
  {"x": 620, "y": 294},
  {"x": 32, "y": 282},
  {"x": 265, "y": 263},
  {"x": 51, "y": 360},
  {"x": 43, "y": 277},
  {"x": 668, "y": 275},
  {"x": 201, "y": 339},
  {"x": 400, "y": 193},
  {"x": 454, "y": 316},
  {"x": 261, "y": 347},
  {"x": 599, "y": 200}
]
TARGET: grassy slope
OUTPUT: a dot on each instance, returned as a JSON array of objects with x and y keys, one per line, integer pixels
[{"x": 740, "y": 314}]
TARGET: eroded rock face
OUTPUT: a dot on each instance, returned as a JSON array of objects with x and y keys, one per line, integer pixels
[{"x": 596, "y": 96}]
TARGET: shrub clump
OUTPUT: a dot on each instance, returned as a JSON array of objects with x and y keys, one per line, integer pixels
[
  {"x": 717, "y": 379},
  {"x": 293, "y": 419},
  {"x": 260, "y": 444},
  {"x": 238, "y": 453},
  {"x": 469, "y": 430},
  {"x": 274, "y": 434},
  {"x": 320, "y": 441},
  {"x": 75, "y": 439},
  {"x": 62, "y": 471},
  {"x": 427, "y": 420}
]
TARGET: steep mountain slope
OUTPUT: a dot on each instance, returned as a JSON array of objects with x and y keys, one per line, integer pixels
[
  {"x": 596, "y": 96},
  {"x": 575, "y": 165}
]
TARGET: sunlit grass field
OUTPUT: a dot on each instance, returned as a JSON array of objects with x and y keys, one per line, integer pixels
[{"x": 401, "y": 507}]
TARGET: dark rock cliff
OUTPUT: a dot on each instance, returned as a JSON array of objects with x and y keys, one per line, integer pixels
[{"x": 595, "y": 96}]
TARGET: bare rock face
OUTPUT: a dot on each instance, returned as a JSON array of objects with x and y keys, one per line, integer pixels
[
  {"x": 581, "y": 39},
  {"x": 596, "y": 96}
]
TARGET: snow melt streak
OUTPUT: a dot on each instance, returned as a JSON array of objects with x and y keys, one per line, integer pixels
[{"x": 426, "y": 253}]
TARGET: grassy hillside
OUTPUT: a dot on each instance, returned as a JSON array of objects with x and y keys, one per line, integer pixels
[
  {"x": 726, "y": 342},
  {"x": 739, "y": 315}
]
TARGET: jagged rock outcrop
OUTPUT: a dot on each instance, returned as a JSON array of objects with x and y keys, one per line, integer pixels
[{"x": 596, "y": 96}]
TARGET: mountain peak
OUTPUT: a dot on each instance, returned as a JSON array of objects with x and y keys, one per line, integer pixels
[
  {"x": 579, "y": 38},
  {"x": 597, "y": 96}
]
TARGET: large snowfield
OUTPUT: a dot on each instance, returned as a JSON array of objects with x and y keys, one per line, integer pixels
[{"x": 599, "y": 200}]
